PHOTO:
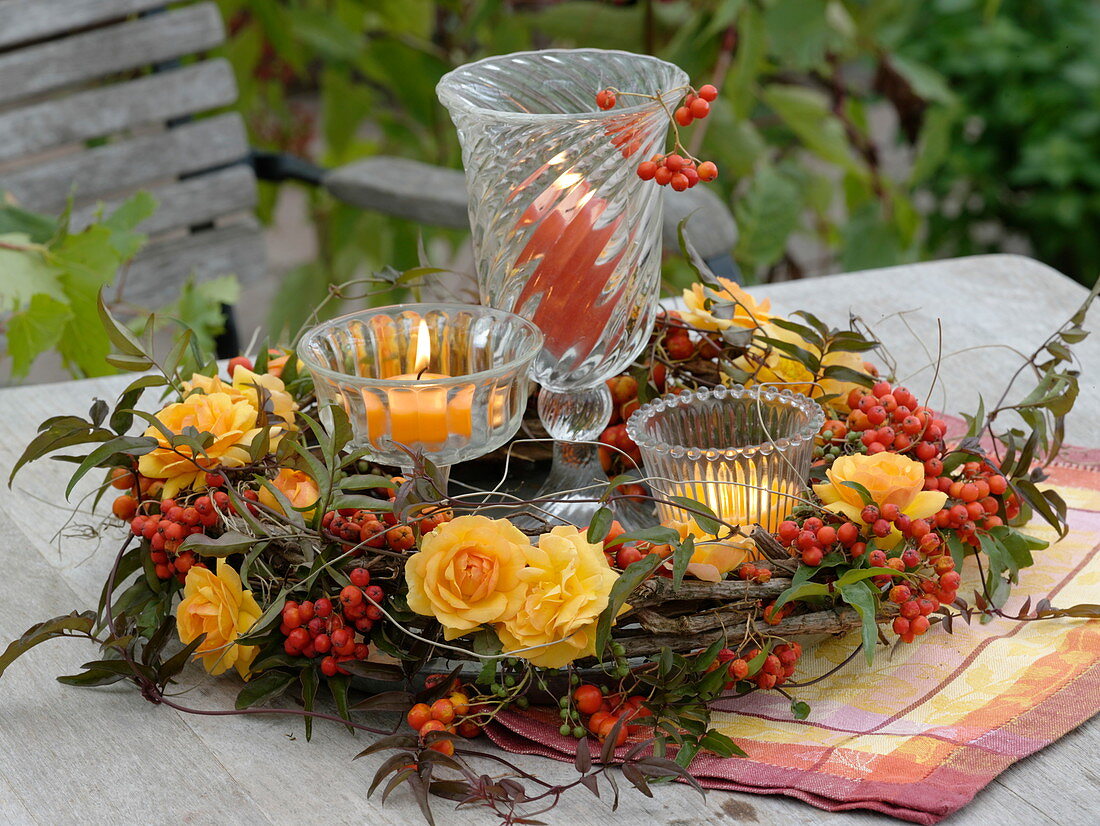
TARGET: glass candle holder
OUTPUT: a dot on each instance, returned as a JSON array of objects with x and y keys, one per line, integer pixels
[
  {"x": 743, "y": 452},
  {"x": 450, "y": 380}
]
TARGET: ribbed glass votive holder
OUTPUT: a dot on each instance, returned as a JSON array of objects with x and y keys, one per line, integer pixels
[
  {"x": 450, "y": 380},
  {"x": 744, "y": 452}
]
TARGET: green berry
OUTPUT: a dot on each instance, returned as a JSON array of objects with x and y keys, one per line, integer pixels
[
  {"x": 564, "y": 714},
  {"x": 564, "y": 702},
  {"x": 574, "y": 678},
  {"x": 617, "y": 649},
  {"x": 522, "y": 702},
  {"x": 565, "y": 730},
  {"x": 509, "y": 681},
  {"x": 578, "y": 731}
]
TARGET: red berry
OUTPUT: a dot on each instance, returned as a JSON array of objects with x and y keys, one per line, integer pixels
[
  {"x": 901, "y": 626},
  {"x": 708, "y": 92},
  {"x": 663, "y": 175},
  {"x": 329, "y": 666},
  {"x": 847, "y": 533},
  {"x": 605, "y": 99},
  {"x": 646, "y": 170},
  {"x": 350, "y": 596},
  {"x": 708, "y": 171},
  {"x": 812, "y": 556},
  {"x": 323, "y": 607},
  {"x": 700, "y": 108},
  {"x": 360, "y": 577},
  {"x": 684, "y": 117},
  {"x": 674, "y": 163},
  {"x": 679, "y": 182}
]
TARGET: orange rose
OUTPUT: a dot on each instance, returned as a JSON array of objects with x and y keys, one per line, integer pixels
[
  {"x": 716, "y": 310},
  {"x": 231, "y": 422},
  {"x": 220, "y": 607},
  {"x": 769, "y": 365},
  {"x": 568, "y": 582},
  {"x": 467, "y": 573},
  {"x": 297, "y": 486},
  {"x": 889, "y": 478}
]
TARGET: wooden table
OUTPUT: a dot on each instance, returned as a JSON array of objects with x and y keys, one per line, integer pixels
[{"x": 107, "y": 756}]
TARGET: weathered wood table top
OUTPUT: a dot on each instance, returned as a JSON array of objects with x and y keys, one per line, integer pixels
[{"x": 71, "y": 755}]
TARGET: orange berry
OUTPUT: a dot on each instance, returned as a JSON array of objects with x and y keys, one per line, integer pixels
[
  {"x": 122, "y": 479},
  {"x": 125, "y": 507},
  {"x": 708, "y": 171},
  {"x": 443, "y": 710},
  {"x": 418, "y": 715},
  {"x": 461, "y": 703},
  {"x": 238, "y": 361}
]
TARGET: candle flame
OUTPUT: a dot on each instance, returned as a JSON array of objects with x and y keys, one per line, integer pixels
[{"x": 423, "y": 348}]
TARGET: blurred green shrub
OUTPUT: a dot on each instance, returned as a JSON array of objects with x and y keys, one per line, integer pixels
[{"x": 803, "y": 85}]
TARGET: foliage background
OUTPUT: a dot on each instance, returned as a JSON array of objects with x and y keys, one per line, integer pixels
[{"x": 851, "y": 133}]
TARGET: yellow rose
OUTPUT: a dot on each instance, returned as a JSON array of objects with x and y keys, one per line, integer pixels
[
  {"x": 747, "y": 312},
  {"x": 219, "y": 607},
  {"x": 280, "y": 404},
  {"x": 774, "y": 367},
  {"x": 889, "y": 478},
  {"x": 713, "y": 557},
  {"x": 467, "y": 573},
  {"x": 232, "y": 423},
  {"x": 297, "y": 486},
  {"x": 567, "y": 585}
]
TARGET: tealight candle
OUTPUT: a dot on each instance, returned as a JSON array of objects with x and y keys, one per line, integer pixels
[{"x": 420, "y": 416}]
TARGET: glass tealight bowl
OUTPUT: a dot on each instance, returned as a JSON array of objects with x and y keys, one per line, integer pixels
[
  {"x": 450, "y": 380},
  {"x": 744, "y": 452}
]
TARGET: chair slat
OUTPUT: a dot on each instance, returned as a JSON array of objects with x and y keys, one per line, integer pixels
[
  {"x": 24, "y": 21},
  {"x": 98, "y": 112},
  {"x": 190, "y": 202},
  {"x": 58, "y": 64},
  {"x": 130, "y": 164},
  {"x": 155, "y": 276}
]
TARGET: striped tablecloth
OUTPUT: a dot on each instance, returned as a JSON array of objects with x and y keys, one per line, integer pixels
[{"x": 918, "y": 734}]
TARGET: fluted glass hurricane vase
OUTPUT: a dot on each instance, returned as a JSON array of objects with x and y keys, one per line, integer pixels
[{"x": 564, "y": 232}]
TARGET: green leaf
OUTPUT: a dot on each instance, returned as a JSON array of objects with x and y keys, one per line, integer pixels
[
  {"x": 681, "y": 556},
  {"x": 864, "y": 494},
  {"x": 704, "y": 517},
  {"x": 635, "y": 574},
  {"x": 807, "y": 113},
  {"x": 38, "y": 229},
  {"x": 48, "y": 630},
  {"x": 806, "y": 589},
  {"x": 766, "y": 216},
  {"x": 862, "y": 597},
  {"x": 858, "y": 574},
  {"x": 600, "y": 525},
  {"x": 102, "y": 455},
  {"x": 35, "y": 330},
  {"x": 265, "y": 687},
  {"x": 847, "y": 374},
  {"x": 230, "y": 542}
]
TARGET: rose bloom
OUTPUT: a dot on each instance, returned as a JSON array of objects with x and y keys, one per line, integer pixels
[
  {"x": 713, "y": 557},
  {"x": 297, "y": 486},
  {"x": 467, "y": 573},
  {"x": 747, "y": 312},
  {"x": 218, "y": 606},
  {"x": 232, "y": 423},
  {"x": 889, "y": 478},
  {"x": 230, "y": 411},
  {"x": 568, "y": 581},
  {"x": 774, "y": 367},
  {"x": 280, "y": 404}
]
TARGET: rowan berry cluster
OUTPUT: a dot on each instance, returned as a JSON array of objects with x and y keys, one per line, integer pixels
[
  {"x": 592, "y": 708},
  {"x": 170, "y": 524},
  {"x": 774, "y": 670},
  {"x": 329, "y": 627},
  {"x": 754, "y": 573},
  {"x": 360, "y": 529},
  {"x": 677, "y": 169},
  {"x": 453, "y": 714}
]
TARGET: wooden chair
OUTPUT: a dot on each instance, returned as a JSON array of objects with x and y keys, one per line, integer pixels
[{"x": 97, "y": 101}]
